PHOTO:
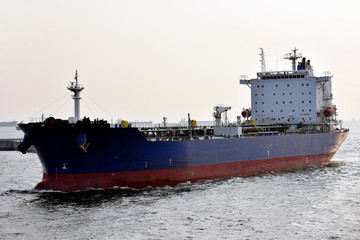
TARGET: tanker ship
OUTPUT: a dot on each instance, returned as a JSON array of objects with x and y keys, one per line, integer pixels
[{"x": 292, "y": 124}]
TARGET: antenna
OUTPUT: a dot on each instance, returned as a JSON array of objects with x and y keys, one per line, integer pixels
[
  {"x": 76, "y": 78},
  {"x": 262, "y": 60},
  {"x": 293, "y": 57}
]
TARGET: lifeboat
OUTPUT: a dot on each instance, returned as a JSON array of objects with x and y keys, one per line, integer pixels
[
  {"x": 246, "y": 113},
  {"x": 329, "y": 111}
]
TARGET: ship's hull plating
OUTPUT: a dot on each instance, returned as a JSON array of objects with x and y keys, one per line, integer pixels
[{"x": 123, "y": 157}]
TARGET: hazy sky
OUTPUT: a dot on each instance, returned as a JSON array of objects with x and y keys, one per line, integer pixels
[{"x": 143, "y": 60}]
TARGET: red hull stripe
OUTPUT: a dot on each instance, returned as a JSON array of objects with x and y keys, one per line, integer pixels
[{"x": 171, "y": 177}]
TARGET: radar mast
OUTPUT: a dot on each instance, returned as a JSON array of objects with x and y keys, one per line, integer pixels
[
  {"x": 76, "y": 89},
  {"x": 293, "y": 57}
]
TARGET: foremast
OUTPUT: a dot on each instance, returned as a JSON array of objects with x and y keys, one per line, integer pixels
[{"x": 76, "y": 88}]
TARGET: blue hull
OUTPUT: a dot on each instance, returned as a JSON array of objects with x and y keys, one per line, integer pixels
[{"x": 125, "y": 149}]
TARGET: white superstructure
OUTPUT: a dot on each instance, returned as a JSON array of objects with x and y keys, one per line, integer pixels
[{"x": 295, "y": 96}]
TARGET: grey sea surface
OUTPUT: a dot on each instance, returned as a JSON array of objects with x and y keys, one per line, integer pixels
[{"x": 313, "y": 203}]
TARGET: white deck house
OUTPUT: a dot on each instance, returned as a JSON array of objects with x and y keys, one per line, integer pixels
[{"x": 290, "y": 96}]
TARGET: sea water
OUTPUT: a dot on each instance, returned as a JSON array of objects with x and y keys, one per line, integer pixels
[{"x": 314, "y": 203}]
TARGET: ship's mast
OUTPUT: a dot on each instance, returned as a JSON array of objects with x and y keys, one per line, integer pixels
[
  {"x": 76, "y": 89},
  {"x": 293, "y": 57}
]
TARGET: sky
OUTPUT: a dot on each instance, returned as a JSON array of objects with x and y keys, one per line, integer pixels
[{"x": 145, "y": 60}]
